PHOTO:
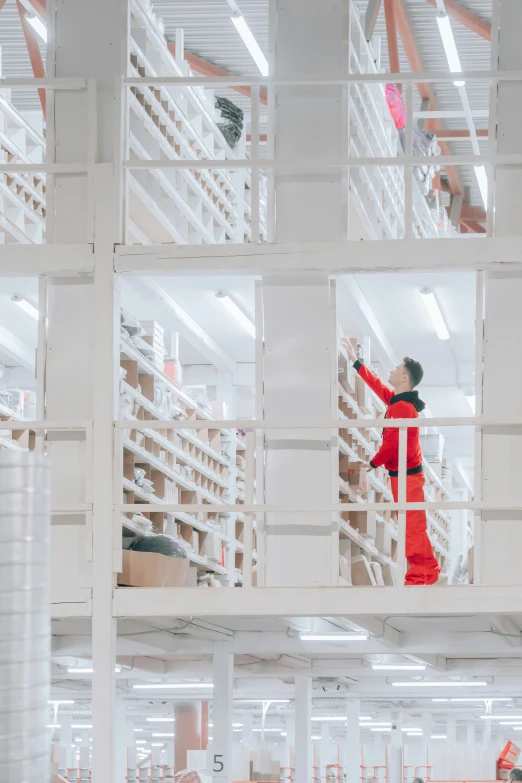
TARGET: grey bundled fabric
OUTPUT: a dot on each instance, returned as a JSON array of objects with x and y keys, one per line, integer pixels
[
  {"x": 232, "y": 127},
  {"x": 162, "y": 545}
]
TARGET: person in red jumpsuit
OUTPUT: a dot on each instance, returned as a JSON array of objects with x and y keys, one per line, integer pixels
[{"x": 404, "y": 403}]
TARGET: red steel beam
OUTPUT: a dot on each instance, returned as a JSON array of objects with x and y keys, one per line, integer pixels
[
  {"x": 411, "y": 47},
  {"x": 391, "y": 35},
  {"x": 33, "y": 50},
  {"x": 467, "y": 18},
  {"x": 205, "y": 68}
]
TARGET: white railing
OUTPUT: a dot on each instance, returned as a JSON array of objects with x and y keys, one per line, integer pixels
[
  {"x": 413, "y": 216},
  {"x": 250, "y": 508}
]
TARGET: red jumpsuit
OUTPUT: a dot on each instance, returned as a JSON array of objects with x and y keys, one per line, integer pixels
[{"x": 423, "y": 567}]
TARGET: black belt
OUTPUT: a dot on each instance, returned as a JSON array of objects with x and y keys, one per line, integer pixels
[{"x": 410, "y": 472}]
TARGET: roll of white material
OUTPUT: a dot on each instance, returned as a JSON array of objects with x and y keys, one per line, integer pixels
[{"x": 24, "y": 617}]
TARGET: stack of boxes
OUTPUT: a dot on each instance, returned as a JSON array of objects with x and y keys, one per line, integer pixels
[{"x": 154, "y": 336}]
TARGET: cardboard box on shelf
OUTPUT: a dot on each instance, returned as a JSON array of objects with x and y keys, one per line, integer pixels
[
  {"x": 345, "y": 568},
  {"x": 383, "y": 537},
  {"x": 212, "y": 547},
  {"x": 363, "y": 395},
  {"x": 365, "y": 522},
  {"x": 150, "y": 569},
  {"x": 357, "y": 479},
  {"x": 377, "y": 572},
  {"x": 362, "y": 573}
]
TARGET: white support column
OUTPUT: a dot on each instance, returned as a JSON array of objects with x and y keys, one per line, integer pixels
[
  {"x": 303, "y": 728},
  {"x": 352, "y": 750},
  {"x": 395, "y": 757},
  {"x": 502, "y": 531},
  {"x": 248, "y": 722},
  {"x": 297, "y": 311},
  {"x": 66, "y": 738},
  {"x": 290, "y": 743},
  {"x": 325, "y": 752},
  {"x": 222, "y": 713},
  {"x": 120, "y": 742}
]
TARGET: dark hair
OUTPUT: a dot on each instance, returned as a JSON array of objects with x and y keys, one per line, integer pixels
[
  {"x": 414, "y": 370},
  {"x": 515, "y": 774}
]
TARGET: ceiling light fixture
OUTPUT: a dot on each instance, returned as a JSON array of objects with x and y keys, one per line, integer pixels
[
  {"x": 37, "y": 25},
  {"x": 334, "y": 637},
  {"x": 501, "y": 717},
  {"x": 269, "y": 729},
  {"x": 173, "y": 686},
  {"x": 399, "y": 667},
  {"x": 450, "y": 47},
  {"x": 60, "y": 701},
  {"x": 160, "y": 720},
  {"x": 238, "y": 20},
  {"x": 157, "y": 744},
  {"x": 81, "y": 726},
  {"x": 25, "y": 305},
  {"x": 162, "y": 734},
  {"x": 434, "y": 312},
  {"x": 414, "y": 733},
  {"x": 509, "y": 723},
  {"x": 262, "y": 701},
  {"x": 236, "y": 312},
  {"x": 479, "y": 698},
  {"x": 439, "y": 736},
  {"x": 440, "y": 684},
  {"x": 329, "y": 717}
]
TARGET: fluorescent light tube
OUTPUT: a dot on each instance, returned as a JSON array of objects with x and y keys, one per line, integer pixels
[
  {"x": 478, "y": 698},
  {"x": 161, "y": 734},
  {"x": 439, "y": 684},
  {"x": 329, "y": 717},
  {"x": 37, "y": 25},
  {"x": 412, "y": 728},
  {"x": 270, "y": 729},
  {"x": 439, "y": 736},
  {"x": 251, "y": 44},
  {"x": 509, "y": 723},
  {"x": 501, "y": 717},
  {"x": 334, "y": 637},
  {"x": 399, "y": 667},
  {"x": 482, "y": 181},
  {"x": 315, "y": 738},
  {"x": 85, "y": 670},
  {"x": 138, "y": 729},
  {"x": 26, "y": 306},
  {"x": 414, "y": 733},
  {"x": 237, "y": 314},
  {"x": 81, "y": 726},
  {"x": 237, "y": 725},
  {"x": 434, "y": 312},
  {"x": 441, "y": 699},
  {"x": 173, "y": 686},
  {"x": 60, "y": 701},
  {"x": 141, "y": 742},
  {"x": 157, "y": 744},
  {"x": 450, "y": 47},
  {"x": 262, "y": 701},
  {"x": 375, "y": 725},
  {"x": 160, "y": 720}
]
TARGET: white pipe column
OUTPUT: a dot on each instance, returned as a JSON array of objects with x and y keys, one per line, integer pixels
[
  {"x": 352, "y": 748},
  {"x": 303, "y": 728},
  {"x": 247, "y": 736},
  {"x": 395, "y": 760},
  {"x": 222, "y": 712},
  {"x": 502, "y": 531},
  {"x": 298, "y": 311},
  {"x": 325, "y": 751},
  {"x": 66, "y": 737},
  {"x": 290, "y": 741}
]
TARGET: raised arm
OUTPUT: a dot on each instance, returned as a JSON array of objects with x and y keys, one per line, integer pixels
[{"x": 385, "y": 393}]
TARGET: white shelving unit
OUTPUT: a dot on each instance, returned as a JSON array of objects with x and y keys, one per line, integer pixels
[{"x": 183, "y": 466}]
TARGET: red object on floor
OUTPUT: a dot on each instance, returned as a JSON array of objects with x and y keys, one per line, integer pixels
[{"x": 423, "y": 567}]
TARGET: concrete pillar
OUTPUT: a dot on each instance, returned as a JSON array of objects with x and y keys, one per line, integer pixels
[
  {"x": 188, "y": 731},
  {"x": 76, "y": 340},
  {"x": 298, "y": 313},
  {"x": 303, "y": 728},
  {"x": 222, "y": 716},
  {"x": 352, "y": 748},
  {"x": 501, "y": 532}
]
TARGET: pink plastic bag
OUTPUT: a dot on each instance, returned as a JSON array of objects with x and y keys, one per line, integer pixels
[{"x": 396, "y": 104}]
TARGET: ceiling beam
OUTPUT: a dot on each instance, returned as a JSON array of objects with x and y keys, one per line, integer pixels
[
  {"x": 506, "y": 628},
  {"x": 205, "y": 68},
  {"x": 18, "y": 351},
  {"x": 467, "y": 18},
  {"x": 412, "y": 50},
  {"x": 33, "y": 49},
  {"x": 391, "y": 35},
  {"x": 370, "y": 19}
]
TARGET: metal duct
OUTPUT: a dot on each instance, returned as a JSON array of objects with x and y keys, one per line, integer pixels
[{"x": 24, "y": 617}]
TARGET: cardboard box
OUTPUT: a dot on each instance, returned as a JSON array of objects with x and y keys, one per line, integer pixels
[
  {"x": 362, "y": 573},
  {"x": 345, "y": 569},
  {"x": 383, "y": 537},
  {"x": 365, "y": 522},
  {"x": 150, "y": 569},
  {"x": 357, "y": 479}
]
